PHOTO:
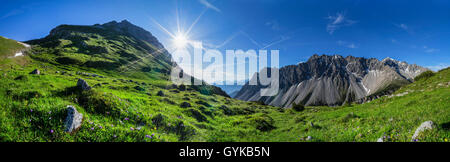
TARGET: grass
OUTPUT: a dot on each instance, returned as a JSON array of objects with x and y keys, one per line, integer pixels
[
  {"x": 9, "y": 47},
  {"x": 124, "y": 105},
  {"x": 113, "y": 112}
]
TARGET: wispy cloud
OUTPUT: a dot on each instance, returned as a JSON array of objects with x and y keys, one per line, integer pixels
[
  {"x": 209, "y": 5},
  {"x": 430, "y": 50},
  {"x": 438, "y": 66},
  {"x": 347, "y": 44},
  {"x": 12, "y": 13},
  {"x": 404, "y": 27},
  {"x": 273, "y": 24},
  {"x": 338, "y": 21}
]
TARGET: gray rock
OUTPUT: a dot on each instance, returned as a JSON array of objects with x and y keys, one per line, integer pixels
[
  {"x": 73, "y": 119},
  {"x": 380, "y": 139},
  {"x": 36, "y": 71},
  {"x": 83, "y": 85},
  {"x": 332, "y": 80},
  {"x": 424, "y": 126}
]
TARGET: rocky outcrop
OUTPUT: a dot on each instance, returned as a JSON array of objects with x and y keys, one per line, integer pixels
[
  {"x": 73, "y": 119},
  {"x": 424, "y": 126},
  {"x": 334, "y": 80},
  {"x": 83, "y": 85}
]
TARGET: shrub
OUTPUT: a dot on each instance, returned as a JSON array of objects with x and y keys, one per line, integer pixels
[
  {"x": 298, "y": 107},
  {"x": 197, "y": 115},
  {"x": 263, "y": 123},
  {"x": 68, "y": 60}
]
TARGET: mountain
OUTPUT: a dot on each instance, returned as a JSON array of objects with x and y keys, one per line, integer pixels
[
  {"x": 335, "y": 80},
  {"x": 115, "y": 47},
  {"x": 112, "y": 46}
]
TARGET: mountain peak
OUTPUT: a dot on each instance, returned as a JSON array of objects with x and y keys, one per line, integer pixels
[{"x": 334, "y": 80}]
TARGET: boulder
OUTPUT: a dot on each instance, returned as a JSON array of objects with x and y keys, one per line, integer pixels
[
  {"x": 73, "y": 119},
  {"x": 36, "y": 71},
  {"x": 424, "y": 126},
  {"x": 83, "y": 85}
]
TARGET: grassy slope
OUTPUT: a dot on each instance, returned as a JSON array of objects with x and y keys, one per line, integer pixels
[
  {"x": 33, "y": 105},
  {"x": 8, "y": 47}
]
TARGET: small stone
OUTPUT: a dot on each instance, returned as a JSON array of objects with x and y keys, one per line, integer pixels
[
  {"x": 36, "y": 71},
  {"x": 380, "y": 139},
  {"x": 73, "y": 119}
]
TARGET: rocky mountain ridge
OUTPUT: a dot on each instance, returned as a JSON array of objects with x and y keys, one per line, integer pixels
[{"x": 335, "y": 80}]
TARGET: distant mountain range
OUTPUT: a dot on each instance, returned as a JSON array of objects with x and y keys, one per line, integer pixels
[{"x": 335, "y": 80}]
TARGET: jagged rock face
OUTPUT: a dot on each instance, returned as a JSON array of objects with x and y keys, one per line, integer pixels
[{"x": 334, "y": 80}]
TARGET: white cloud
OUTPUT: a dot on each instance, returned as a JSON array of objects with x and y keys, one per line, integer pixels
[
  {"x": 438, "y": 66},
  {"x": 209, "y": 5},
  {"x": 347, "y": 44},
  {"x": 404, "y": 27},
  {"x": 338, "y": 21},
  {"x": 430, "y": 50}
]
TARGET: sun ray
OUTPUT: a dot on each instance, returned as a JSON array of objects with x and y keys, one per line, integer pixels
[
  {"x": 162, "y": 28},
  {"x": 195, "y": 22}
]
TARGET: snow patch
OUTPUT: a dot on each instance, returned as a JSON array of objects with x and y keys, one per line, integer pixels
[{"x": 18, "y": 54}]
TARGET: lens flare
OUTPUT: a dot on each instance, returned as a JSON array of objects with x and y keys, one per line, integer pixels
[{"x": 180, "y": 41}]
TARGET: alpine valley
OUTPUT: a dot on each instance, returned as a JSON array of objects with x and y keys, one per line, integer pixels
[{"x": 111, "y": 83}]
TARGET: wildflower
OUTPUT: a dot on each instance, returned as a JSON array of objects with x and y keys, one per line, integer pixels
[
  {"x": 131, "y": 128},
  {"x": 107, "y": 112},
  {"x": 50, "y": 112},
  {"x": 51, "y": 131},
  {"x": 115, "y": 136},
  {"x": 112, "y": 125},
  {"x": 29, "y": 120},
  {"x": 445, "y": 140},
  {"x": 92, "y": 128},
  {"x": 31, "y": 110},
  {"x": 147, "y": 136},
  {"x": 100, "y": 127},
  {"x": 126, "y": 119},
  {"x": 50, "y": 118}
]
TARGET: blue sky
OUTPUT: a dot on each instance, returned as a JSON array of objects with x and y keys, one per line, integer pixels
[{"x": 412, "y": 31}]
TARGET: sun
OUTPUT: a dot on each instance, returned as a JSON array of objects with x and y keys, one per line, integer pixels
[{"x": 180, "y": 41}]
